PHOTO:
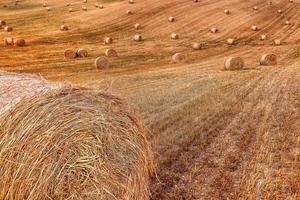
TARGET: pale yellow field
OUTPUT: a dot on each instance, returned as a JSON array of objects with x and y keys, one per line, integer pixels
[{"x": 216, "y": 134}]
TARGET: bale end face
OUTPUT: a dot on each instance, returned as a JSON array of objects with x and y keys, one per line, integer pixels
[
  {"x": 20, "y": 43},
  {"x": 178, "y": 58},
  {"x": 101, "y": 63},
  {"x": 70, "y": 54},
  {"x": 85, "y": 144},
  {"x": 268, "y": 59},
  {"x": 111, "y": 53},
  {"x": 234, "y": 63}
]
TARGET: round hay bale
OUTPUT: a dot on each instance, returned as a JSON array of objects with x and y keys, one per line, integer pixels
[
  {"x": 108, "y": 40},
  {"x": 287, "y": 22},
  {"x": 178, "y": 58},
  {"x": 277, "y": 42},
  {"x": 174, "y": 36},
  {"x": 131, "y": 1},
  {"x": 68, "y": 4},
  {"x": 214, "y": 30},
  {"x": 280, "y": 11},
  {"x": 138, "y": 38},
  {"x": 82, "y": 52},
  {"x": 64, "y": 28},
  {"x": 263, "y": 37},
  {"x": 101, "y": 63},
  {"x": 96, "y": 5},
  {"x": 197, "y": 46},
  {"x": 171, "y": 19},
  {"x": 20, "y": 42},
  {"x": 230, "y": 41},
  {"x": 84, "y": 8},
  {"x": 195, "y": 1},
  {"x": 268, "y": 59},
  {"x": 84, "y": 1},
  {"x": 254, "y": 28},
  {"x": 71, "y": 143},
  {"x": 70, "y": 54},
  {"x": 255, "y": 8},
  {"x": 2, "y": 23},
  {"x": 291, "y": 1},
  {"x": 234, "y": 63},
  {"x": 8, "y": 29},
  {"x": 9, "y": 41},
  {"x": 44, "y": 4},
  {"x": 227, "y": 12},
  {"x": 101, "y": 6},
  {"x": 49, "y": 9},
  {"x": 137, "y": 26},
  {"x": 129, "y": 12},
  {"x": 111, "y": 53},
  {"x": 70, "y": 9}
]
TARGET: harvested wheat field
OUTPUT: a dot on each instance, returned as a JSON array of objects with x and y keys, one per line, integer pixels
[{"x": 108, "y": 110}]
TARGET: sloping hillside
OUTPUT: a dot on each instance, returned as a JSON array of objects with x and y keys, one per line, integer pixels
[{"x": 217, "y": 134}]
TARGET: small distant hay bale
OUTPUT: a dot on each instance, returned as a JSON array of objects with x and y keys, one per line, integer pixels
[
  {"x": 82, "y": 53},
  {"x": 138, "y": 38},
  {"x": 68, "y": 4},
  {"x": 231, "y": 41},
  {"x": 129, "y": 12},
  {"x": 49, "y": 8},
  {"x": 195, "y": 1},
  {"x": 279, "y": 11},
  {"x": 45, "y": 5},
  {"x": 111, "y": 53},
  {"x": 84, "y": 8},
  {"x": 64, "y": 28},
  {"x": 108, "y": 40},
  {"x": 171, "y": 19},
  {"x": 137, "y": 26},
  {"x": 70, "y": 9},
  {"x": 287, "y": 22},
  {"x": 178, "y": 58},
  {"x": 101, "y": 6},
  {"x": 20, "y": 42},
  {"x": 254, "y": 28},
  {"x": 2, "y": 23},
  {"x": 291, "y": 1},
  {"x": 71, "y": 143},
  {"x": 277, "y": 42},
  {"x": 268, "y": 59},
  {"x": 131, "y": 1},
  {"x": 101, "y": 63},
  {"x": 70, "y": 53},
  {"x": 214, "y": 30},
  {"x": 255, "y": 8},
  {"x": 226, "y": 11},
  {"x": 234, "y": 63},
  {"x": 84, "y": 1},
  {"x": 263, "y": 37},
  {"x": 270, "y": 3},
  {"x": 174, "y": 36},
  {"x": 9, "y": 41},
  {"x": 197, "y": 45},
  {"x": 96, "y": 5},
  {"x": 8, "y": 29}
]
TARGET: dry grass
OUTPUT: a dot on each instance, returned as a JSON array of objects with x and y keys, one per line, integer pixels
[
  {"x": 73, "y": 143},
  {"x": 209, "y": 126}
]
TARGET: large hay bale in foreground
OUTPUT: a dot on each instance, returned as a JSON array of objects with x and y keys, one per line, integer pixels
[
  {"x": 73, "y": 143},
  {"x": 178, "y": 58},
  {"x": 234, "y": 63},
  {"x": 268, "y": 59},
  {"x": 101, "y": 63}
]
